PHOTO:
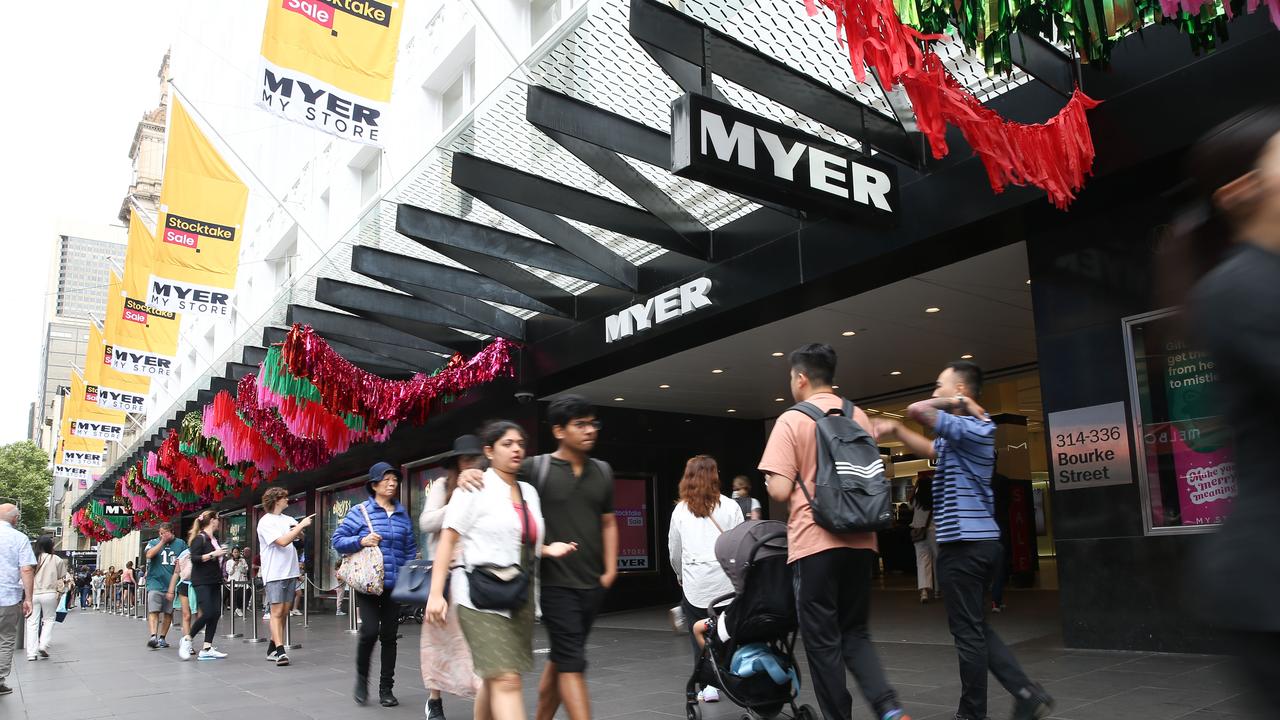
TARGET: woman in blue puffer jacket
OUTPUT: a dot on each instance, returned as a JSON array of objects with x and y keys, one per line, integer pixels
[{"x": 393, "y": 532}]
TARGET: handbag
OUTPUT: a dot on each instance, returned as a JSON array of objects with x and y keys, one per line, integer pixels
[
  {"x": 501, "y": 588},
  {"x": 364, "y": 569},
  {"x": 413, "y": 583},
  {"x": 61, "y": 613}
]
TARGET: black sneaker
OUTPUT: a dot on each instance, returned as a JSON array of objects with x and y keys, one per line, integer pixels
[
  {"x": 5, "y": 689},
  {"x": 386, "y": 699},
  {"x": 435, "y": 709},
  {"x": 1032, "y": 703},
  {"x": 153, "y": 643}
]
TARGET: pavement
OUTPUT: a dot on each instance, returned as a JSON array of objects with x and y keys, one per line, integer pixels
[{"x": 100, "y": 668}]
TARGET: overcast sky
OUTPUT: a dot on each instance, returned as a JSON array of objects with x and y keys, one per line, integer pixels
[{"x": 76, "y": 82}]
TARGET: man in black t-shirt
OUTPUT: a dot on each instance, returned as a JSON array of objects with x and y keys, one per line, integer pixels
[{"x": 576, "y": 491}]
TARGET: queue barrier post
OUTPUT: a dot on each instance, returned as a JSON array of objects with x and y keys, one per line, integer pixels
[
  {"x": 233, "y": 634},
  {"x": 253, "y": 616},
  {"x": 289, "y": 644},
  {"x": 352, "y": 621}
]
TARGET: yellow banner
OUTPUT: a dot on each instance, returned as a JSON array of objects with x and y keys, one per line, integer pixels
[
  {"x": 115, "y": 390},
  {"x": 197, "y": 252},
  {"x": 329, "y": 64},
  {"x": 139, "y": 339}
]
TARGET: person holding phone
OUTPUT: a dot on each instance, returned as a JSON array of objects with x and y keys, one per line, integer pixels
[
  {"x": 277, "y": 533},
  {"x": 206, "y": 580}
]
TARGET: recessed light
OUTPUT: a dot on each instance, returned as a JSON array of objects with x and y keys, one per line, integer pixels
[
  {"x": 896, "y": 372},
  {"x": 731, "y": 410},
  {"x": 835, "y": 387},
  {"x": 779, "y": 400},
  {"x": 664, "y": 387},
  {"x": 1028, "y": 282},
  {"x": 618, "y": 399},
  {"x": 966, "y": 357},
  {"x": 848, "y": 333},
  {"x": 932, "y": 310},
  {"x": 777, "y": 354},
  {"x": 717, "y": 371}
]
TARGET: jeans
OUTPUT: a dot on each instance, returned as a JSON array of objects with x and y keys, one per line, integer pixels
[
  {"x": 209, "y": 600},
  {"x": 10, "y": 624},
  {"x": 965, "y": 571},
  {"x": 44, "y": 608},
  {"x": 833, "y": 600},
  {"x": 692, "y": 615},
  {"x": 378, "y": 614},
  {"x": 84, "y": 596},
  {"x": 1002, "y": 578}
]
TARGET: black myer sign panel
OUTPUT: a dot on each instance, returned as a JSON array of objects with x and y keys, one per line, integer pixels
[{"x": 729, "y": 148}]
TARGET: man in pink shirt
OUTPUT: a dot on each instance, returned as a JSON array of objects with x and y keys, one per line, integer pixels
[{"x": 831, "y": 573}]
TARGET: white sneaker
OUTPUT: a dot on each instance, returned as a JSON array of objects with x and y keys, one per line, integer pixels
[
  {"x": 340, "y": 614},
  {"x": 710, "y": 694},
  {"x": 211, "y": 654},
  {"x": 239, "y": 613},
  {"x": 184, "y": 649},
  {"x": 296, "y": 613},
  {"x": 266, "y": 615}
]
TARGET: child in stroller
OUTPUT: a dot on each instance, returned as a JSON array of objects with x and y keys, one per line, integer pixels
[{"x": 748, "y": 646}]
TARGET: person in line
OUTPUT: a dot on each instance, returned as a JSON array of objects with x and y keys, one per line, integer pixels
[
  {"x": 499, "y": 525},
  {"x": 831, "y": 573},
  {"x": 162, "y": 555},
  {"x": 968, "y": 537},
  {"x": 236, "y": 570},
  {"x": 206, "y": 581},
  {"x": 579, "y": 505},
  {"x": 128, "y": 583},
  {"x": 750, "y": 506},
  {"x": 393, "y": 532},
  {"x": 50, "y": 570},
  {"x": 697, "y": 521},
  {"x": 96, "y": 582},
  {"x": 84, "y": 585},
  {"x": 445, "y": 658},
  {"x": 17, "y": 587},
  {"x": 1235, "y": 314},
  {"x": 183, "y": 595},
  {"x": 924, "y": 536},
  {"x": 278, "y": 555},
  {"x": 109, "y": 586},
  {"x": 339, "y": 590}
]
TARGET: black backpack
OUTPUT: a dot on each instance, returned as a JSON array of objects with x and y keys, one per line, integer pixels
[{"x": 851, "y": 493}]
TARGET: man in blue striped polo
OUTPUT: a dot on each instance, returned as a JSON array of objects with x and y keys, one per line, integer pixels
[{"x": 969, "y": 549}]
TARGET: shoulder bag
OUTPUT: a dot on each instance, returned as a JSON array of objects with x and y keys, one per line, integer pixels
[
  {"x": 364, "y": 569},
  {"x": 413, "y": 583},
  {"x": 501, "y": 588}
]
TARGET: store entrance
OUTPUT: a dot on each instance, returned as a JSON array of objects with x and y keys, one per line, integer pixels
[{"x": 892, "y": 342}]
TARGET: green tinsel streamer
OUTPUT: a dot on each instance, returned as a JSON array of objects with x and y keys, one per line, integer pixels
[{"x": 275, "y": 376}]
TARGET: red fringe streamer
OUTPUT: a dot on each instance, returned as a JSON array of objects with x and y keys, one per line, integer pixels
[
  {"x": 1055, "y": 156},
  {"x": 345, "y": 388},
  {"x": 300, "y": 454}
]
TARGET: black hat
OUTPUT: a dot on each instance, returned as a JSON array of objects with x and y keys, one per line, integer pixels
[
  {"x": 377, "y": 472},
  {"x": 464, "y": 446}
]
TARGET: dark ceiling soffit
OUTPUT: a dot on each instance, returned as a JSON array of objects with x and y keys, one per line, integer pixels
[
  {"x": 354, "y": 298},
  {"x": 542, "y": 108},
  {"x": 426, "y": 225},
  {"x": 477, "y": 175},
  {"x": 622, "y": 274},
  {"x": 253, "y": 355},
  {"x": 405, "y": 274},
  {"x": 654, "y": 24},
  {"x": 561, "y": 116},
  {"x": 356, "y": 356},
  {"x": 346, "y": 328},
  {"x": 1044, "y": 62},
  {"x": 386, "y": 266}
]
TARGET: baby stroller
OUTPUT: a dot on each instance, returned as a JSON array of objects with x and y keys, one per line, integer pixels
[{"x": 763, "y": 610}]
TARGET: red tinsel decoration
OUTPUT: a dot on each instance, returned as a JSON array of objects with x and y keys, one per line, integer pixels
[
  {"x": 300, "y": 454},
  {"x": 345, "y": 388},
  {"x": 240, "y": 442},
  {"x": 1055, "y": 156}
]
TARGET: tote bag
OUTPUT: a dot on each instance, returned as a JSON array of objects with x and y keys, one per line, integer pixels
[{"x": 364, "y": 570}]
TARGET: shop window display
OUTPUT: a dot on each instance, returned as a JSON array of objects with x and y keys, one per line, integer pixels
[{"x": 1185, "y": 457}]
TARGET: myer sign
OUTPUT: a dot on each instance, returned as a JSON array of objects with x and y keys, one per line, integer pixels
[
  {"x": 656, "y": 310},
  {"x": 726, "y": 147}
]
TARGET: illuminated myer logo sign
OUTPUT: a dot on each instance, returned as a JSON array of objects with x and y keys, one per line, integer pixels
[
  {"x": 670, "y": 305},
  {"x": 729, "y": 148}
]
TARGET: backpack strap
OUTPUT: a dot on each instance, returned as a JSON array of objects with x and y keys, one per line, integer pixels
[
  {"x": 809, "y": 409},
  {"x": 541, "y": 468}
]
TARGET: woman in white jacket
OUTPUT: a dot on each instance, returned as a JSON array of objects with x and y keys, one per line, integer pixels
[
  {"x": 501, "y": 530},
  {"x": 702, "y": 514},
  {"x": 50, "y": 570},
  {"x": 445, "y": 658}
]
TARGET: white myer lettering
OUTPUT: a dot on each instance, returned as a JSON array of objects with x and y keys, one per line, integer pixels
[{"x": 666, "y": 306}]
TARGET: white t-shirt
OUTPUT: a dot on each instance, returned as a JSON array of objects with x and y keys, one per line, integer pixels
[{"x": 278, "y": 563}]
